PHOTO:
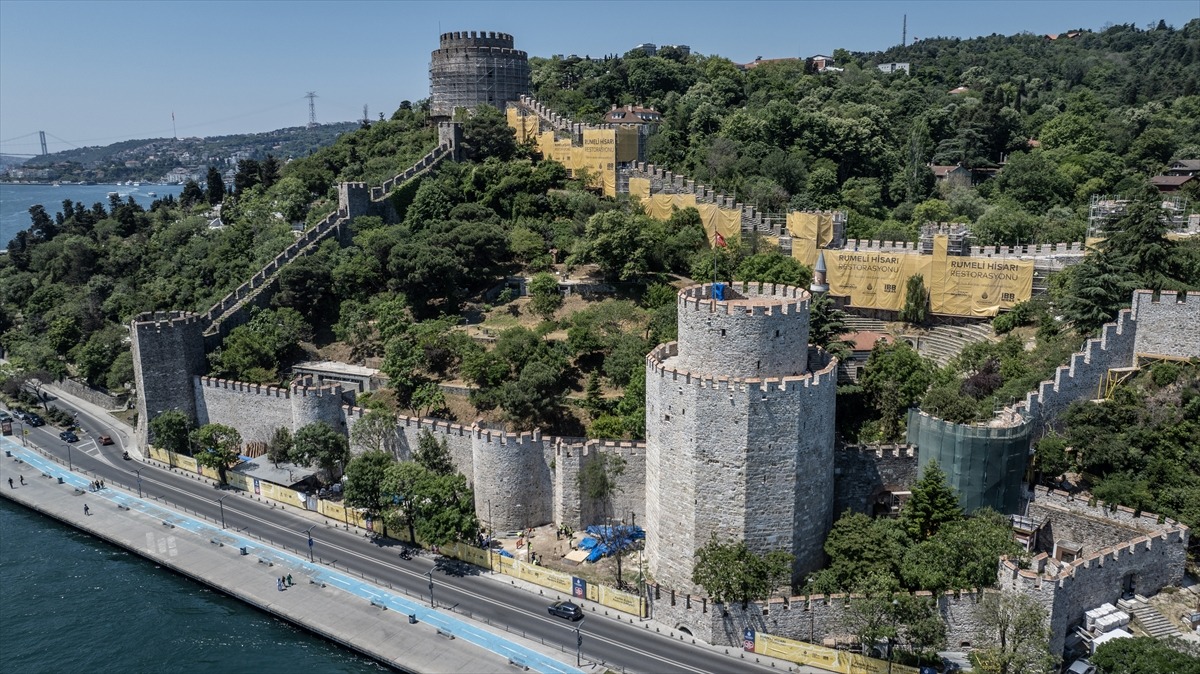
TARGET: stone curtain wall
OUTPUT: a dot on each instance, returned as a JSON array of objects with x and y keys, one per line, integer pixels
[
  {"x": 861, "y": 473},
  {"x": 629, "y": 501},
  {"x": 1080, "y": 379},
  {"x": 168, "y": 350},
  {"x": 256, "y": 411},
  {"x": 811, "y": 618},
  {"x": 1168, "y": 326},
  {"x": 1151, "y": 559},
  {"x": 93, "y": 396}
]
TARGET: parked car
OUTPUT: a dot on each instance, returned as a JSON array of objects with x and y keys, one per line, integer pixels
[
  {"x": 68, "y": 436},
  {"x": 34, "y": 420},
  {"x": 19, "y": 414},
  {"x": 565, "y": 609},
  {"x": 104, "y": 440}
]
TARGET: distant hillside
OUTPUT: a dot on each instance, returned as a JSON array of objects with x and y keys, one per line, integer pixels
[{"x": 150, "y": 159}]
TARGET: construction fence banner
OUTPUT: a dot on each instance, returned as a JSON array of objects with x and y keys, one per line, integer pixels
[
  {"x": 627, "y": 144},
  {"x": 600, "y": 157},
  {"x": 819, "y": 656},
  {"x": 540, "y": 575}
]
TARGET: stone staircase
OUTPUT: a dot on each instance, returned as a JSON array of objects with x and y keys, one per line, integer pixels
[
  {"x": 860, "y": 323},
  {"x": 1148, "y": 618}
]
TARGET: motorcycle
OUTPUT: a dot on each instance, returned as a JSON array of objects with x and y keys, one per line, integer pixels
[
  {"x": 125, "y": 455},
  {"x": 405, "y": 554}
]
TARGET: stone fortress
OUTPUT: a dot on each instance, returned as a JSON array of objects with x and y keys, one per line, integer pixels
[
  {"x": 740, "y": 440},
  {"x": 739, "y": 430}
]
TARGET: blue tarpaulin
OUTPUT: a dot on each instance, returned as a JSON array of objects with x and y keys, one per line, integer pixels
[{"x": 604, "y": 540}]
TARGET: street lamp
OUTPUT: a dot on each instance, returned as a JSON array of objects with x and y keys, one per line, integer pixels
[
  {"x": 221, "y": 503},
  {"x": 70, "y": 463},
  {"x": 139, "y": 478},
  {"x": 310, "y": 542},
  {"x": 432, "y": 603},
  {"x": 579, "y": 644}
]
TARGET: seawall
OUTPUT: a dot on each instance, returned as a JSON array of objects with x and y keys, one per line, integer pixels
[{"x": 182, "y": 544}]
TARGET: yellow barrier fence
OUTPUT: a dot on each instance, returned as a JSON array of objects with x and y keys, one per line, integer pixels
[{"x": 818, "y": 656}]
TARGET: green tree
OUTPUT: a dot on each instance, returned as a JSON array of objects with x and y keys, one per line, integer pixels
[
  {"x": 280, "y": 446},
  {"x": 731, "y": 572},
  {"x": 544, "y": 297},
  {"x": 216, "y": 186},
  {"x": 376, "y": 431},
  {"x": 859, "y": 547},
  {"x": 1016, "y": 637},
  {"x": 916, "y": 301},
  {"x": 963, "y": 553},
  {"x": 433, "y": 454},
  {"x": 366, "y": 475},
  {"x": 217, "y": 447},
  {"x": 1144, "y": 655},
  {"x": 318, "y": 443},
  {"x": 486, "y": 133},
  {"x": 445, "y": 509},
  {"x": 773, "y": 267},
  {"x": 874, "y": 616},
  {"x": 895, "y": 378},
  {"x": 933, "y": 504},
  {"x": 171, "y": 430}
]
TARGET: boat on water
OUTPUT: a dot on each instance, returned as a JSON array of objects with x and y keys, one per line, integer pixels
[
  {"x": 114, "y": 194},
  {"x": 152, "y": 194},
  {"x": 137, "y": 184}
]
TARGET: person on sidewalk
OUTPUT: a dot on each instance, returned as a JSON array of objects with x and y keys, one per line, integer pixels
[
  {"x": 86, "y": 509},
  {"x": 22, "y": 480},
  {"x": 10, "y": 484}
]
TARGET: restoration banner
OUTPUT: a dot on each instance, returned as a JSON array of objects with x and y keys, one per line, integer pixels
[
  {"x": 600, "y": 157},
  {"x": 975, "y": 286},
  {"x": 639, "y": 188},
  {"x": 872, "y": 280}
]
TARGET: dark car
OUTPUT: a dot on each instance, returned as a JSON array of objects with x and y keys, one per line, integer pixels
[
  {"x": 34, "y": 420},
  {"x": 565, "y": 609},
  {"x": 68, "y": 436}
]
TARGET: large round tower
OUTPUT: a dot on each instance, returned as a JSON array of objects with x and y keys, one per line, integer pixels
[
  {"x": 739, "y": 431},
  {"x": 470, "y": 68}
]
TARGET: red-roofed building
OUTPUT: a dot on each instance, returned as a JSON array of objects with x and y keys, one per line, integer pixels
[
  {"x": 1171, "y": 183},
  {"x": 955, "y": 176},
  {"x": 632, "y": 114},
  {"x": 861, "y": 343}
]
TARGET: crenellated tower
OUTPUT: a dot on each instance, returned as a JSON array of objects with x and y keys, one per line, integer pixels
[
  {"x": 168, "y": 351},
  {"x": 739, "y": 430}
]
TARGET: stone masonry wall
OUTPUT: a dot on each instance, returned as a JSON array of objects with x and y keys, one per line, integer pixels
[
  {"x": 810, "y": 618},
  {"x": 862, "y": 473},
  {"x": 1168, "y": 326},
  {"x": 257, "y": 411},
  {"x": 577, "y": 511},
  {"x": 746, "y": 459},
  {"x": 759, "y": 330},
  {"x": 1080, "y": 379},
  {"x": 168, "y": 350},
  {"x": 1152, "y": 557}
]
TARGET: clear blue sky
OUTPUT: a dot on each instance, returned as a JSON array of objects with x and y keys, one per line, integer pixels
[{"x": 93, "y": 73}]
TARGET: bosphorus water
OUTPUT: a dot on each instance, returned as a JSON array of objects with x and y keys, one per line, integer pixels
[
  {"x": 73, "y": 603},
  {"x": 16, "y": 200}
]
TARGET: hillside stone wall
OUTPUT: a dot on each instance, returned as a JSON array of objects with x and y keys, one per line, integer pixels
[
  {"x": 577, "y": 511},
  {"x": 1168, "y": 325}
]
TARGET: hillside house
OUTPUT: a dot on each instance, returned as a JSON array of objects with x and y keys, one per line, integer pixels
[{"x": 954, "y": 176}]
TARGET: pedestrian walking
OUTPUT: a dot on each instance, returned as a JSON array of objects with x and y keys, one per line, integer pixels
[
  {"x": 279, "y": 585},
  {"x": 102, "y": 484},
  {"x": 289, "y": 580},
  {"x": 22, "y": 479},
  {"x": 10, "y": 484},
  {"x": 86, "y": 509}
]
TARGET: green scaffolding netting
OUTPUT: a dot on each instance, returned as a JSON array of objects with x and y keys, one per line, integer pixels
[{"x": 986, "y": 465}]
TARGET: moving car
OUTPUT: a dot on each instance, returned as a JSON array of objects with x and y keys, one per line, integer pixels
[
  {"x": 565, "y": 609},
  {"x": 68, "y": 436},
  {"x": 104, "y": 440}
]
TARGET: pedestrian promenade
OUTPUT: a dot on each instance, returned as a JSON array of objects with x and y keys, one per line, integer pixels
[{"x": 344, "y": 609}]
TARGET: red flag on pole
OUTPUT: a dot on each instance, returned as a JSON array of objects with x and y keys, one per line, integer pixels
[{"x": 720, "y": 240}]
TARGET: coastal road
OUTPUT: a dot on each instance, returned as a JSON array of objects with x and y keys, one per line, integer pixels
[{"x": 458, "y": 586}]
